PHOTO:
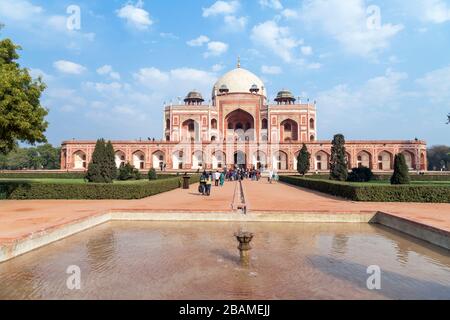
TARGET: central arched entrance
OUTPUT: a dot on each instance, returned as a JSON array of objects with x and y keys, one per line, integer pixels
[
  {"x": 240, "y": 125},
  {"x": 240, "y": 160}
]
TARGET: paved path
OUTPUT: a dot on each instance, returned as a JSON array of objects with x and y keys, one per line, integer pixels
[
  {"x": 263, "y": 196},
  {"x": 19, "y": 219}
]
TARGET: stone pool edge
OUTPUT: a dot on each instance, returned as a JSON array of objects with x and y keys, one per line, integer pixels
[{"x": 17, "y": 247}]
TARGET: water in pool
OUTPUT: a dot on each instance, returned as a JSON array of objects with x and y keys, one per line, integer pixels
[{"x": 175, "y": 260}]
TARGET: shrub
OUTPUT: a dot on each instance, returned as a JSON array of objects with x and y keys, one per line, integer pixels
[
  {"x": 99, "y": 169},
  {"x": 91, "y": 191},
  {"x": 401, "y": 172},
  {"x": 338, "y": 163},
  {"x": 128, "y": 172},
  {"x": 110, "y": 161},
  {"x": 362, "y": 174},
  {"x": 375, "y": 193},
  {"x": 303, "y": 160},
  {"x": 152, "y": 174}
]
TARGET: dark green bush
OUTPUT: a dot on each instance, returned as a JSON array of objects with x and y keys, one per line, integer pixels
[
  {"x": 375, "y": 193},
  {"x": 401, "y": 172},
  {"x": 152, "y": 174},
  {"x": 362, "y": 174},
  {"x": 128, "y": 172},
  {"x": 91, "y": 191}
]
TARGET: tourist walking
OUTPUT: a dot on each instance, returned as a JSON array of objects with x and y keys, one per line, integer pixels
[
  {"x": 216, "y": 178},
  {"x": 222, "y": 179},
  {"x": 208, "y": 185},
  {"x": 202, "y": 187}
]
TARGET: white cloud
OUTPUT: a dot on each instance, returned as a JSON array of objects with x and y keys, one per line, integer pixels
[
  {"x": 69, "y": 67},
  {"x": 278, "y": 39},
  {"x": 215, "y": 49},
  {"x": 135, "y": 15},
  {"x": 437, "y": 85},
  {"x": 289, "y": 14},
  {"x": 227, "y": 9},
  {"x": 167, "y": 85},
  {"x": 19, "y": 10},
  {"x": 217, "y": 67},
  {"x": 346, "y": 21},
  {"x": 235, "y": 24},
  {"x": 273, "y": 4},
  {"x": 270, "y": 70},
  {"x": 307, "y": 50},
  {"x": 375, "y": 95},
  {"x": 221, "y": 8},
  {"x": 435, "y": 11},
  {"x": 150, "y": 76},
  {"x": 198, "y": 42},
  {"x": 48, "y": 28},
  {"x": 108, "y": 71}
]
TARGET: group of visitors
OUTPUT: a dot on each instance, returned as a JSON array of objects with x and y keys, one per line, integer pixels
[
  {"x": 235, "y": 174},
  {"x": 241, "y": 174},
  {"x": 206, "y": 180}
]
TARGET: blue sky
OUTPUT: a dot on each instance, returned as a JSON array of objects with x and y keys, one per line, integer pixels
[{"x": 378, "y": 69}]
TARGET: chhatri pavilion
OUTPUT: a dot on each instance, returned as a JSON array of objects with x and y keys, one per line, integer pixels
[{"x": 241, "y": 127}]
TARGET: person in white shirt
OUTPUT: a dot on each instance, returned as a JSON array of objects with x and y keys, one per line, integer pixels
[{"x": 216, "y": 178}]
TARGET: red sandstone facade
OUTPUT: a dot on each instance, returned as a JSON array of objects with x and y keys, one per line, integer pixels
[{"x": 240, "y": 128}]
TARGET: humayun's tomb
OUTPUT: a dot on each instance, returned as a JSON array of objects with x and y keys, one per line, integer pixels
[{"x": 240, "y": 127}]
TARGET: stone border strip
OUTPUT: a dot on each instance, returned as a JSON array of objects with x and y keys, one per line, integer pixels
[{"x": 9, "y": 250}]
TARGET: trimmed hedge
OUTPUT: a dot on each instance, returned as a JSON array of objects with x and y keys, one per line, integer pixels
[
  {"x": 387, "y": 177},
  {"x": 375, "y": 193},
  {"x": 90, "y": 191},
  {"x": 42, "y": 175}
]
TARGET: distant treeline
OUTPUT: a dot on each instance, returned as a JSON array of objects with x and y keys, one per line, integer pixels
[
  {"x": 40, "y": 157},
  {"x": 439, "y": 158}
]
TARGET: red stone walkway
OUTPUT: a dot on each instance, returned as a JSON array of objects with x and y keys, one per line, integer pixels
[{"x": 19, "y": 219}]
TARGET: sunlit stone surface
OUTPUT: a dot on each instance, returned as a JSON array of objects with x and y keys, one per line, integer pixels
[{"x": 163, "y": 260}]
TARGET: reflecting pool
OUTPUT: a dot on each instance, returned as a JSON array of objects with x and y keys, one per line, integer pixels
[{"x": 177, "y": 260}]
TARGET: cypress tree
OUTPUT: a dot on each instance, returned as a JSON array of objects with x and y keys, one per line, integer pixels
[
  {"x": 98, "y": 169},
  {"x": 111, "y": 161},
  {"x": 338, "y": 165},
  {"x": 401, "y": 171},
  {"x": 303, "y": 161}
]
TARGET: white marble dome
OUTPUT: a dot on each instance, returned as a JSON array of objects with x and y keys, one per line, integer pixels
[{"x": 240, "y": 80}]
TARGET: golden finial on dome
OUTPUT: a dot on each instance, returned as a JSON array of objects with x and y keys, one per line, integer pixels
[{"x": 239, "y": 62}]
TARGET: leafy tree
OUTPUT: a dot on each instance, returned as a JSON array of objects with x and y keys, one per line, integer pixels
[
  {"x": 110, "y": 160},
  {"x": 401, "y": 172},
  {"x": 21, "y": 114},
  {"x": 152, "y": 175},
  {"x": 438, "y": 158},
  {"x": 98, "y": 169},
  {"x": 303, "y": 161},
  {"x": 34, "y": 160},
  {"x": 49, "y": 156},
  {"x": 338, "y": 165}
]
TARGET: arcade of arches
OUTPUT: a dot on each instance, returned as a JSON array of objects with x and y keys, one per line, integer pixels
[{"x": 282, "y": 160}]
